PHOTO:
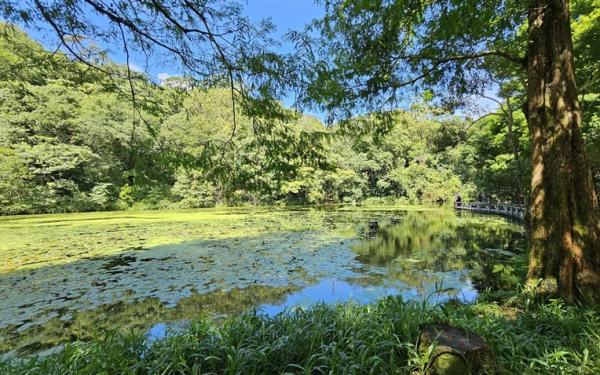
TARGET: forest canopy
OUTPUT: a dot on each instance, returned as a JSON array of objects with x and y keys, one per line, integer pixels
[
  {"x": 73, "y": 139},
  {"x": 70, "y": 142}
]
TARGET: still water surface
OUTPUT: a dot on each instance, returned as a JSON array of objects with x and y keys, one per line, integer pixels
[{"x": 254, "y": 261}]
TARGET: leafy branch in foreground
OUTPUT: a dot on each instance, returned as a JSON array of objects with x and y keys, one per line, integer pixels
[{"x": 210, "y": 41}]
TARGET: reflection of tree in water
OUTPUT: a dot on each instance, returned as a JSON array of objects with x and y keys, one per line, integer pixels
[
  {"x": 500, "y": 267},
  {"x": 422, "y": 244},
  {"x": 136, "y": 316},
  {"x": 421, "y": 232}
]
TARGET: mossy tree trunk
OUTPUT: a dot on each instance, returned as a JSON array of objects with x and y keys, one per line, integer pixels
[{"x": 565, "y": 236}]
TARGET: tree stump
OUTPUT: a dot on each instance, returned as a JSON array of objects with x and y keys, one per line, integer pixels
[{"x": 456, "y": 352}]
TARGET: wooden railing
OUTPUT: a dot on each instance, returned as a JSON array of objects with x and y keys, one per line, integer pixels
[{"x": 513, "y": 211}]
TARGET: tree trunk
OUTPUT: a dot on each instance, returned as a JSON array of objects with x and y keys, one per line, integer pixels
[
  {"x": 565, "y": 246},
  {"x": 514, "y": 144}
]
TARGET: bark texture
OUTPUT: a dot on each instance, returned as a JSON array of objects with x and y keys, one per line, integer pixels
[{"x": 565, "y": 247}]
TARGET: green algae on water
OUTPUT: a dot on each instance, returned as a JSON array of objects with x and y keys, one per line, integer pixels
[{"x": 68, "y": 275}]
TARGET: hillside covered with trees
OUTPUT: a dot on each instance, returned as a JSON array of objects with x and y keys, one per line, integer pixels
[{"x": 71, "y": 140}]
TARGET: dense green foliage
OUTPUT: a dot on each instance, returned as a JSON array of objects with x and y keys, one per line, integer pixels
[
  {"x": 586, "y": 28},
  {"x": 71, "y": 140},
  {"x": 376, "y": 53},
  {"x": 74, "y": 139},
  {"x": 347, "y": 339}
]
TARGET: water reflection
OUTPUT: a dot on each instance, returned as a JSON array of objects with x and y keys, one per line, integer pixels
[
  {"x": 332, "y": 291},
  {"x": 420, "y": 255},
  {"x": 423, "y": 249}
]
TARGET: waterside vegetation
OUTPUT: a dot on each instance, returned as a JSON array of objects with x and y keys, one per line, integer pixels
[{"x": 527, "y": 336}]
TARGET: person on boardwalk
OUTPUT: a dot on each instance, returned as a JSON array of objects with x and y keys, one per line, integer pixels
[{"x": 457, "y": 200}]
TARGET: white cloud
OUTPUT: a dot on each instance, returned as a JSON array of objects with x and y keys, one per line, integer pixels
[
  {"x": 135, "y": 67},
  {"x": 163, "y": 76}
]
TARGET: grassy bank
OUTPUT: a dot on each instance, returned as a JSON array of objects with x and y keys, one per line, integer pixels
[{"x": 527, "y": 337}]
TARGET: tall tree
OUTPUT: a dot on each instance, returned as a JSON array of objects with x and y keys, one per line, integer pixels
[
  {"x": 376, "y": 50},
  {"x": 564, "y": 205}
]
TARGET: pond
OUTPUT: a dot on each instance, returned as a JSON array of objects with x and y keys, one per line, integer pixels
[{"x": 71, "y": 277}]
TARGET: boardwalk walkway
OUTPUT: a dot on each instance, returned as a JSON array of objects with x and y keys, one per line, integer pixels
[{"x": 513, "y": 211}]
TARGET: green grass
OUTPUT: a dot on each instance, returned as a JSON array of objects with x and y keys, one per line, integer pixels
[{"x": 527, "y": 338}]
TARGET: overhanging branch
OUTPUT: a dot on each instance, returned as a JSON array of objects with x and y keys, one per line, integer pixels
[{"x": 521, "y": 61}]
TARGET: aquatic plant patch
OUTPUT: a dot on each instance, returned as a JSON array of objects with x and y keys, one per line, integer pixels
[{"x": 138, "y": 269}]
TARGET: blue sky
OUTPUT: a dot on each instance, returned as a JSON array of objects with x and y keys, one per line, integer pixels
[{"x": 285, "y": 14}]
